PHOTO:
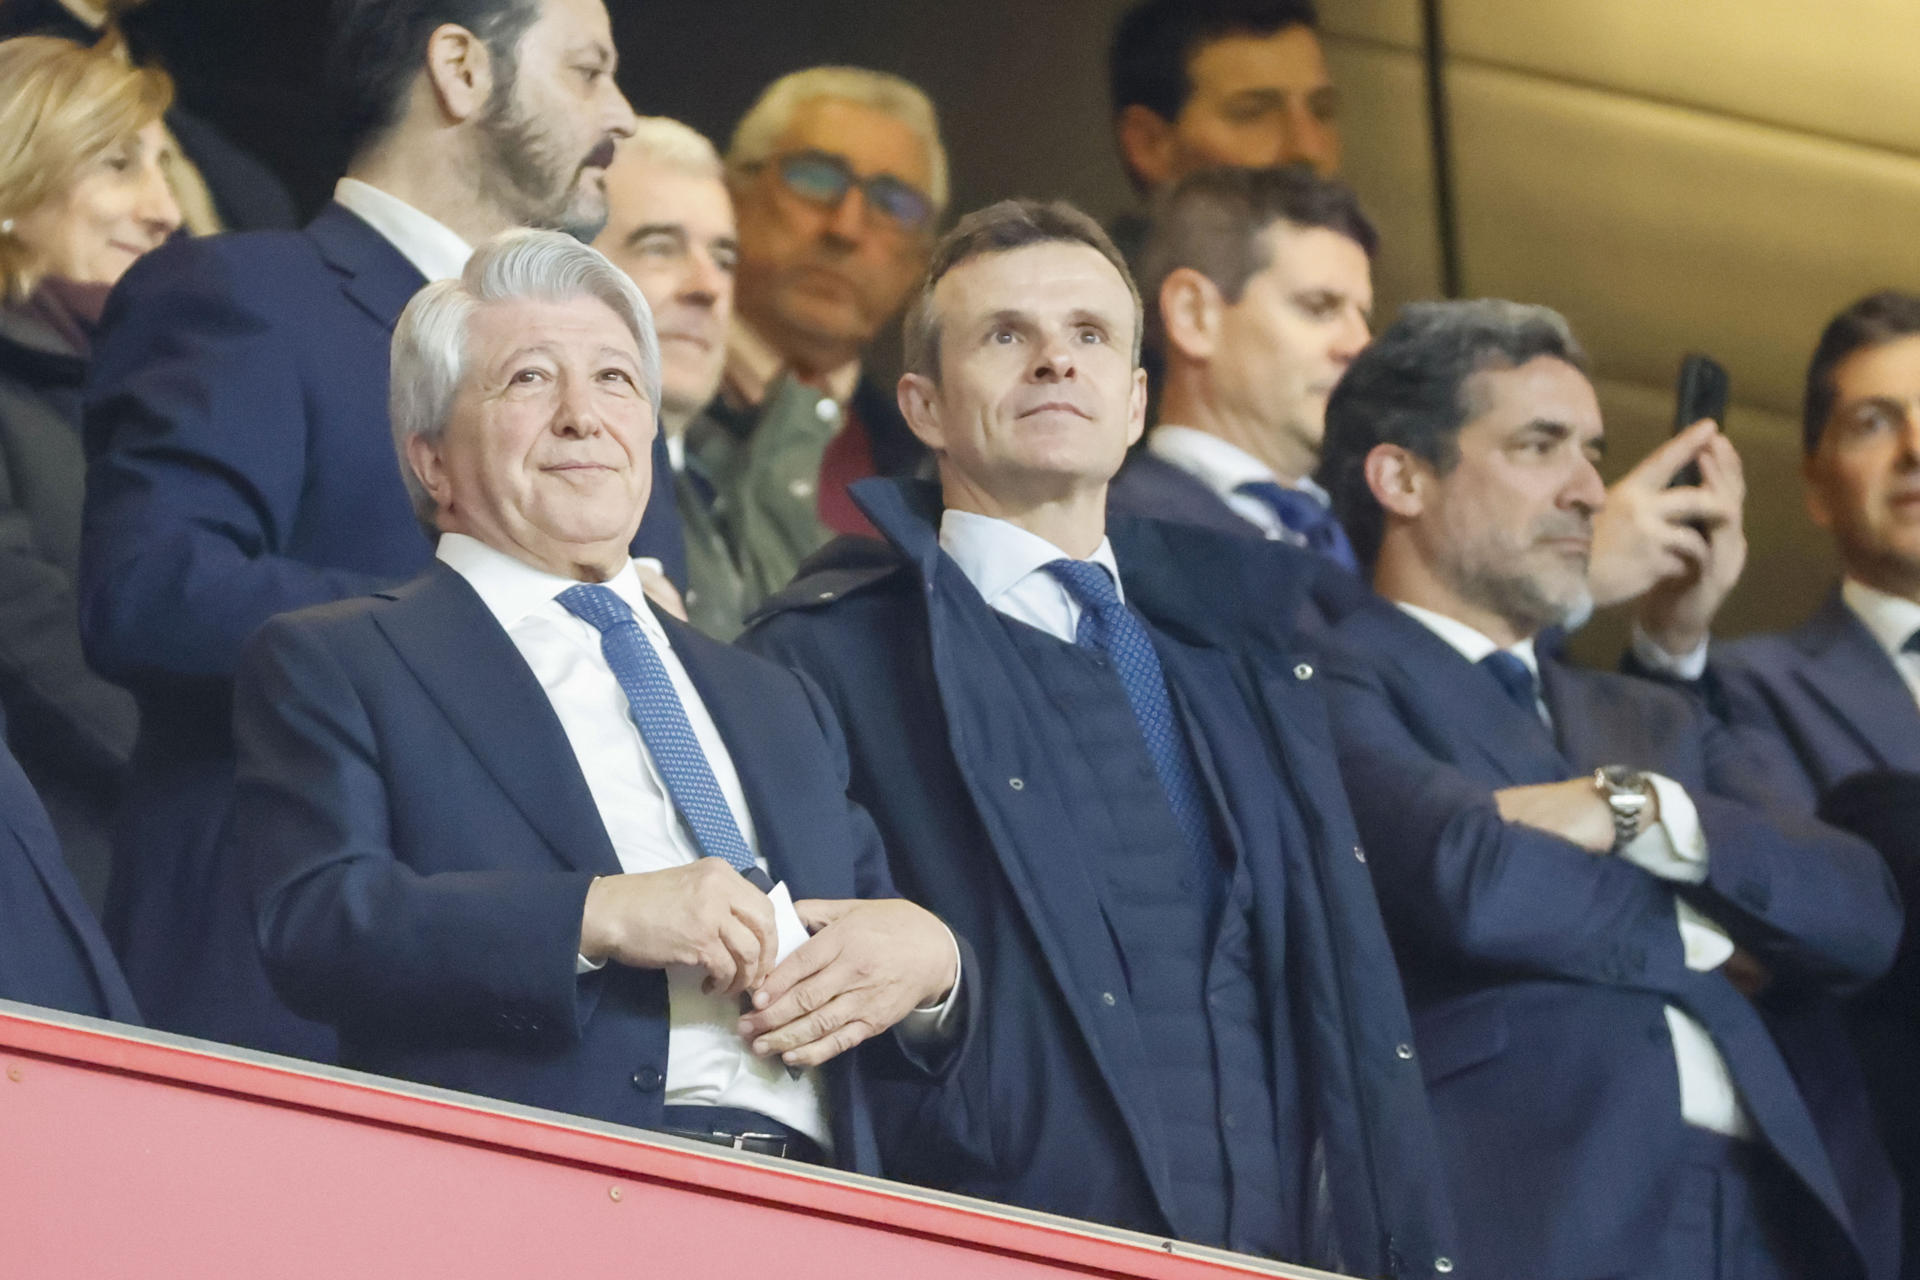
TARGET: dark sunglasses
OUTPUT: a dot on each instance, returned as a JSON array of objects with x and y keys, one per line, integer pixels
[{"x": 823, "y": 178}]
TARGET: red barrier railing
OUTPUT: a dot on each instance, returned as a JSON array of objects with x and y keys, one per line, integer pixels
[{"x": 130, "y": 1154}]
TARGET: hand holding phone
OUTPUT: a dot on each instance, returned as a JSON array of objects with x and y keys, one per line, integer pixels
[{"x": 1700, "y": 392}]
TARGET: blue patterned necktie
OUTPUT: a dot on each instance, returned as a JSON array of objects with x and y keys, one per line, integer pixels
[
  {"x": 1107, "y": 626},
  {"x": 1515, "y": 677},
  {"x": 662, "y": 722},
  {"x": 1304, "y": 514}
]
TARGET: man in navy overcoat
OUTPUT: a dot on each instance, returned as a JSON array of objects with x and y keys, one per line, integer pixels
[{"x": 1104, "y": 760}]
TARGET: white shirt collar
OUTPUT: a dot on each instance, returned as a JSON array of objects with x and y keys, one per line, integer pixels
[
  {"x": 434, "y": 250},
  {"x": 1890, "y": 618},
  {"x": 1470, "y": 642},
  {"x": 514, "y": 590},
  {"x": 1221, "y": 466},
  {"x": 997, "y": 555}
]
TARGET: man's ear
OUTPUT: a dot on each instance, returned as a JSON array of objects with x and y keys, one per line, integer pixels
[
  {"x": 460, "y": 72},
  {"x": 1399, "y": 480},
  {"x": 920, "y": 405},
  {"x": 423, "y": 455},
  {"x": 1190, "y": 312},
  {"x": 1146, "y": 145},
  {"x": 1814, "y": 491},
  {"x": 1137, "y": 407}
]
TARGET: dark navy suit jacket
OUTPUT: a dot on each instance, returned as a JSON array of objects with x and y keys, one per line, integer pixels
[
  {"x": 420, "y": 840},
  {"x": 1053, "y": 1110},
  {"x": 1538, "y": 973},
  {"x": 241, "y": 465},
  {"x": 51, "y": 951},
  {"x": 1829, "y": 692},
  {"x": 1156, "y": 489}
]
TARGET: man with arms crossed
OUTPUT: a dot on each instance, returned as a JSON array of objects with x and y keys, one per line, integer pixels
[{"x": 1620, "y": 950}]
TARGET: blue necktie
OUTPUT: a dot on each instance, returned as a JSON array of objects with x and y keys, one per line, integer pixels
[
  {"x": 1913, "y": 644},
  {"x": 1515, "y": 678},
  {"x": 1107, "y": 626},
  {"x": 1305, "y": 515},
  {"x": 662, "y": 721}
]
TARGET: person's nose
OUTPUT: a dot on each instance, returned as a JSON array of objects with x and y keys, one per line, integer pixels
[
  {"x": 576, "y": 413},
  {"x": 157, "y": 208},
  {"x": 1310, "y": 140},
  {"x": 1055, "y": 362},
  {"x": 1586, "y": 491},
  {"x": 1352, "y": 337},
  {"x": 847, "y": 220},
  {"x": 617, "y": 114},
  {"x": 705, "y": 281}
]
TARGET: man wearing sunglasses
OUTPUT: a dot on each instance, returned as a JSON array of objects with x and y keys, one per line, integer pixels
[{"x": 838, "y": 179}]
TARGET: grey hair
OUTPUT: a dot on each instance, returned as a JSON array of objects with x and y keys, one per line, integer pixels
[
  {"x": 430, "y": 344},
  {"x": 671, "y": 145},
  {"x": 760, "y": 130}
]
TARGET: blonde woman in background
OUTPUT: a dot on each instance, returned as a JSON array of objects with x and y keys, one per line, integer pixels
[{"x": 84, "y": 192}]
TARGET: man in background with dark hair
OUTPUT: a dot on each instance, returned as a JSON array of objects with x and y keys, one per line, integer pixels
[
  {"x": 1259, "y": 293},
  {"x": 1201, "y": 83},
  {"x": 236, "y": 426},
  {"x": 1620, "y": 949},
  {"x": 1107, "y": 759},
  {"x": 1843, "y": 689}
]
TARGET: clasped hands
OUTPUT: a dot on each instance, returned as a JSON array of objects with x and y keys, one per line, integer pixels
[{"x": 869, "y": 963}]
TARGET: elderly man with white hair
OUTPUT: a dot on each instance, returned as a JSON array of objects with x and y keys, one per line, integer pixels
[
  {"x": 513, "y": 831},
  {"x": 839, "y": 179}
]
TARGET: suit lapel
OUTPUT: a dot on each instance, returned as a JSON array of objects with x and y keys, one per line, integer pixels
[
  {"x": 1472, "y": 718},
  {"x": 457, "y": 651},
  {"x": 378, "y": 277},
  {"x": 1851, "y": 675}
]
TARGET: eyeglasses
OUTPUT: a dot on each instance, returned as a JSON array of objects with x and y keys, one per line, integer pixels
[{"x": 822, "y": 178}]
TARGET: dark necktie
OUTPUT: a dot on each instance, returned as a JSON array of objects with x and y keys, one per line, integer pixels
[
  {"x": 1303, "y": 514},
  {"x": 1912, "y": 645},
  {"x": 1515, "y": 678},
  {"x": 1107, "y": 626},
  {"x": 662, "y": 722}
]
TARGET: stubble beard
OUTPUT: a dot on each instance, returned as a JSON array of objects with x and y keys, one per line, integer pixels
[{"x": 523, "y": 172}]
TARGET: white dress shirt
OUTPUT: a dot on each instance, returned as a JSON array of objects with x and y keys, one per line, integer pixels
[
  {"x": 1891, "y": 619},
  {"x": 434, "y": 250},
  {"x": 707, "y": 1062},
  {"x": 1674, "y": 848},
  {"x": 1005, "y": 564},
  {"x": 1223, "y": 468}
]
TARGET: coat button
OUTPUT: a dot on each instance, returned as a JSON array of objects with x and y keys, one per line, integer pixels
[
  {"x": 827, "y": 411},
  {"x": 1359, "y": 854},
  {"x": 826, "y": 595},
  {"x": 1303, "y": 672},
  {"x": 800, "y": 488},
  {"x": 1403, "y": 1051},
  {"x": 646, "y": 1078},
  {"x": 1443, "y": 1265},
  {"x": 1106, "y": 998},
  {"x": 1018, "y": 784}
]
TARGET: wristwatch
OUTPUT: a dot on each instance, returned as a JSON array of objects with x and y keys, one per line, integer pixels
[{"x": 1627, "y": 793}]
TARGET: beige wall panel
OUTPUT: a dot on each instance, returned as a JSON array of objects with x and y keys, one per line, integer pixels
[
  {"x": 1659, "y": 229},
  {"x": 1389, "y": 162},
  {"x": 1395, "y": 22},
  {"x": 1840, "y": 68},
  {"x": 1790, "y": 562}
]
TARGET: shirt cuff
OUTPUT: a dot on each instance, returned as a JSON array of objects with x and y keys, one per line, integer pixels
[
  {"x": 934, "y": 1024},
  {"x": 1681, "y": 666},
  {"x": 582, "y": 965},
  {"x": 1704, "y": 944},
  {"x": 1674, "y": 848}
]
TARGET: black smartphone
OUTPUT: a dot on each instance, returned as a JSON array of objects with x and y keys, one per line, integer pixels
[{"x": 1700, "y": 392}]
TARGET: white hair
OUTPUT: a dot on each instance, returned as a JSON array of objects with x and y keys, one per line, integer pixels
[
  {"x": 430, "y": 344},
  {"x": 672, "y": 145},
  {"x": 760, "y": 130}
]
